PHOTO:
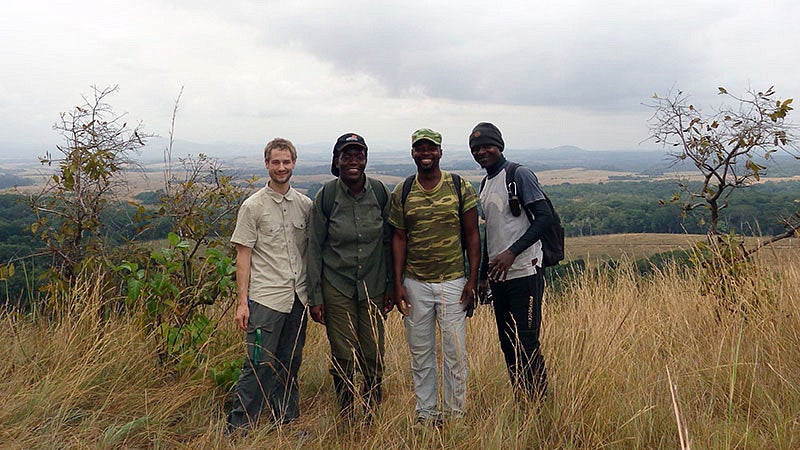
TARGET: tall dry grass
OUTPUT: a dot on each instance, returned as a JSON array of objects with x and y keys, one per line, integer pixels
[{"x": 82, "y": 382}]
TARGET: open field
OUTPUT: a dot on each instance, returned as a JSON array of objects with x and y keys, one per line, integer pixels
[
  {"x": 151, "y": 176},
  {"x": 613, "y": 341},
  {"x": 150, "y": 181},
  {"x": 635, "y": 246}
]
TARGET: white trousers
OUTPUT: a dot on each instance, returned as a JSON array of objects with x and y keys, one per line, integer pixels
[{"x": 433, "y": 303}]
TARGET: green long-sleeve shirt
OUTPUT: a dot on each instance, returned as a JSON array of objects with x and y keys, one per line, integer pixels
[{"x": 351, "y": 246}]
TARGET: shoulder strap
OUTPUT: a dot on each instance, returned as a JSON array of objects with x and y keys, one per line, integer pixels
[
  {"x": 457, "y": 185},
  {"x": 511, "y": 186},
  {"x": 407, "y": 184},
  {"x": 511, "y": 171},
  {"x": 328, "y": 193},
  {"x": 380, "y": 192}
]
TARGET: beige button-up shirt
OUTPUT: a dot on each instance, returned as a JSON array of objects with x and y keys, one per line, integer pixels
[{"x": 275, "y": 226}]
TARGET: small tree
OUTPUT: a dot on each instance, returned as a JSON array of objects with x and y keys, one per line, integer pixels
[
  {"x": 90, "y": 172},
  {"x": 726, "y": 146},
  {"x": 173, "y": 284}
]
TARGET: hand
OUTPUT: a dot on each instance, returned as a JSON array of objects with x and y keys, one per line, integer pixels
[
  {"x": 468, "y": 297},
  {"x": 483, "y": 289},
  {"x": 498, "y": 267},
  {"x": 401, "y": 301},
  {"x": 242, "y": 315},
  {"x": 388, "y": 305},
  {"x": 318, "y": 313}
]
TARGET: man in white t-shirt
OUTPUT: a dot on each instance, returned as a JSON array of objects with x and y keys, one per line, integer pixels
[{"x": 512, "y": 260}]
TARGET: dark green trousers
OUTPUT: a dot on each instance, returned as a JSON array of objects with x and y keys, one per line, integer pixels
[
  {"x": 274, "y": 352},
  {"x": 355, "y": 333}
]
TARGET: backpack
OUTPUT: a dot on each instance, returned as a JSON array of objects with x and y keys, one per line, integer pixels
[
  {"x": 328, "y": 197},
  {"x": 552, "y": 237}
]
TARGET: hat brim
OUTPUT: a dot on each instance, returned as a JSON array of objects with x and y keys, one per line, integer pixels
[
  {"x": 423, "y": 138},
  {"x": 348, "y": 144}
]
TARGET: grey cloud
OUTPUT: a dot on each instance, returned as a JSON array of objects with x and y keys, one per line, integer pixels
[{"x": 611, "y": 64}]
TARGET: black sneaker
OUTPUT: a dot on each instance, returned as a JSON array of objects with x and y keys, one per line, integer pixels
[{"x": 424, "y": 422}]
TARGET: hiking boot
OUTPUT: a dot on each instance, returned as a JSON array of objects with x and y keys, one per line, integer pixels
[{"x": 372, "y": 395}]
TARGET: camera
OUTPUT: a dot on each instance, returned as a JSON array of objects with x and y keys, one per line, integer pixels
[{"x": 513, "y": 200}]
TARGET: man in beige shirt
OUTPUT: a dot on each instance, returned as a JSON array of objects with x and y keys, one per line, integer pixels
[{"x": 271, "y": 238}]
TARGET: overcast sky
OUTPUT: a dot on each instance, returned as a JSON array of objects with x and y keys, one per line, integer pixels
[{"x": 548, "y": 73}]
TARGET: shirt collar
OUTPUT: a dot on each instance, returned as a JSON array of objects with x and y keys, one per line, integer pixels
[
  {"x": 495, "y": 168},
  {"x": 278, "y": 197},
  {"x": 345, "y": 188}
]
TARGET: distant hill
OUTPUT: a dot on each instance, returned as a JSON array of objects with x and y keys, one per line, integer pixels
[
  {"x": 566, "y": 157},
  {"x": 647, "y": 162},
  {"x": 394, "y": 159}
]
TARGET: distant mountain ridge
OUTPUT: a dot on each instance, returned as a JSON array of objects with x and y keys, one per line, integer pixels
[{"x": 388, "y": 158}]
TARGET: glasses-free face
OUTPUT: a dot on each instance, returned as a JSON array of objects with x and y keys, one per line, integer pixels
[
  {"x": 280, "y": 165},
  {"x": 426, "y": 155},
  {"x": 485, "y": 155}
]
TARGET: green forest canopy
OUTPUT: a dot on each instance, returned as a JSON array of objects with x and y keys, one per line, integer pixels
[{"x": 585, "y": 209}]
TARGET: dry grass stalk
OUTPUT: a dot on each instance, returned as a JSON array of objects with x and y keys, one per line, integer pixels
[{"x": 683, "y": 431}]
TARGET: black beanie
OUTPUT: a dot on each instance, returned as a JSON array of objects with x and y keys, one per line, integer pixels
[{"x": 486, "y": 133}]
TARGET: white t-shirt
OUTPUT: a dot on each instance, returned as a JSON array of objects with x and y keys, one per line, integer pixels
[{"x": 503, "y": 229}]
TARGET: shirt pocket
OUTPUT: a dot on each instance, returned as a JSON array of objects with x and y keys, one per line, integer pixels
[
  {"x": 300, "y": 232},
  {"x": 269, "y": 227}
]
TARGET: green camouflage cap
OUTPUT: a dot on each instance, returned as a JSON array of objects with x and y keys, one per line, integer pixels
[{"x": 426, "y": 133}]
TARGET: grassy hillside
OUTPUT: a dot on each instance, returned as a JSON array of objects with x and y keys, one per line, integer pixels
[
  {"x": 609, "y": 339},
  {"x": 633, "y": 246}
]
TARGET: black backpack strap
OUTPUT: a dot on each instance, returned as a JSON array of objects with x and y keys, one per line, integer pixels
[
  {"x": 457, "y": 185},
  {"x": 510, "y": 173},
  {"x": 552, "y": 238},
  {"x": 511, "y": 182},
  {"x": 407, "y": 184},
  {"x": 511, "y": 187}
]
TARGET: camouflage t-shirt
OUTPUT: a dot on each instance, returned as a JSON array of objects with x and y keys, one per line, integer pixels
[{"x": 431, "y": 218}]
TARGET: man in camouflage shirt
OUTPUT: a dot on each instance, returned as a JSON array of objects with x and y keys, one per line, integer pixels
[{"x": 430, "y": 284}]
